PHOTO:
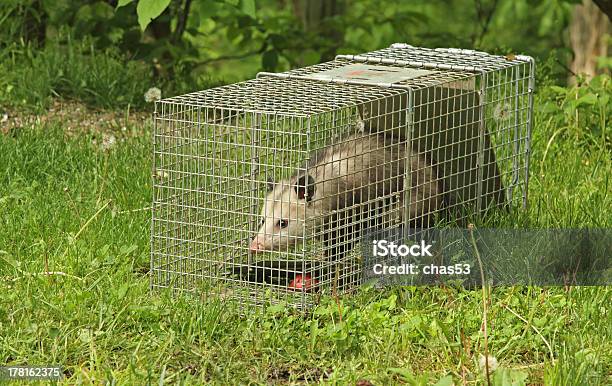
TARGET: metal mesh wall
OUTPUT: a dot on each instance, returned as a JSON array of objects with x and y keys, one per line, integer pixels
[{"x": 402, "y": 135}]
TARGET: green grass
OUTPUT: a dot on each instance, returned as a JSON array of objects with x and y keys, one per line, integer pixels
[
  {"x": 74, "y": 69},
  {"x": 70, "y": 207}
]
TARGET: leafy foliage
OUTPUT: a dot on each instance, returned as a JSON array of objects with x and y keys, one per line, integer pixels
[
  {"x": 572, "y": 110},
  {"x": 150, "y": 9},
  {"x": 203, "y": 36}
]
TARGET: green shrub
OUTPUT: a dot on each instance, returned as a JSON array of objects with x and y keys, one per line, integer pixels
[
  {"x": 77, "y": 70},
  {"x": 73, "y": 71}
]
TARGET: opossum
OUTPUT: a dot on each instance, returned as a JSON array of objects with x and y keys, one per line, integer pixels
[{"x": 335, "y": 197}]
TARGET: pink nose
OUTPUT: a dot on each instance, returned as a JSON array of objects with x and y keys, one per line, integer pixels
[{"x": 256, "y": 246}]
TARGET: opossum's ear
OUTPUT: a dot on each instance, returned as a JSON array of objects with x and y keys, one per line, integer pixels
[
  {"x": 305, "y": 187},
  {"x": 270, "y": 185}
]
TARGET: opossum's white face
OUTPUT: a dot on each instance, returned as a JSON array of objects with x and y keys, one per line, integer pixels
[{"x": 283, "y": 217}]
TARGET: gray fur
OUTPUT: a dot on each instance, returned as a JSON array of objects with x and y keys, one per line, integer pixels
[{"x": 345, "y": 178}]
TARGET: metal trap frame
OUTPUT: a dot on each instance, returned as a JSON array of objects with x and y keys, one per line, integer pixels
[{"x": 448, "y": 128}]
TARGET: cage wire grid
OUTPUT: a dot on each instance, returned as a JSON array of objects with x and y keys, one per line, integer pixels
[{"x": 426, "y": 136}]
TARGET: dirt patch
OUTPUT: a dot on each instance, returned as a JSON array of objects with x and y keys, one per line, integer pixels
[
  {"x": 283, "y": 375},
  {"x": 75, "y": 118}
]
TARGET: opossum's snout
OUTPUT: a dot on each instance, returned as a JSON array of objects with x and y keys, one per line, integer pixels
[
  {"x": 283, "y": 216},
  {"x": 256, "y": 245},
  {"x": 258, "y": 242}
]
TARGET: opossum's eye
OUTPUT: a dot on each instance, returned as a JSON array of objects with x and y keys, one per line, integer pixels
[
  {"x": 282, "y": 224},
  {"x": 262, "y": 222}
]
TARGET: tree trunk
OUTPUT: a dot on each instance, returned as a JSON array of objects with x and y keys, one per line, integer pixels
[
  {"x": 588, "y": 29},
  {"x": 315, "y": 15},
  {"x": 35, "y": 23}
]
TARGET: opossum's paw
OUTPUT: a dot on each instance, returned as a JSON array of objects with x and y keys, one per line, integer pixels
[{"x": 303, "y": 283}]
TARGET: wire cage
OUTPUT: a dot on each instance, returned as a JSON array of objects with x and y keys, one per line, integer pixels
[{"x": 262, "y": 189}]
